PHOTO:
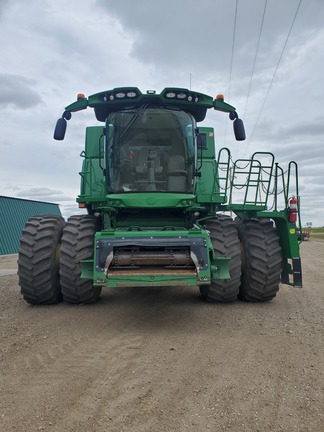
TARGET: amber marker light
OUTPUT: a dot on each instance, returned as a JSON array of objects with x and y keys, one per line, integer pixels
[
  {"x": 82, "y": 205},
  {"x": 81, "y": 96},
  {"x": 220, "y": 97}
]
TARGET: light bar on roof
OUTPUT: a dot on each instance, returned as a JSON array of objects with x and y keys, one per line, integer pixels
[
  {"x": 182, "y": 95},
  {"x": 119, "y": 94}
]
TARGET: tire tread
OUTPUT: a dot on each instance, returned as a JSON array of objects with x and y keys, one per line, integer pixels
[
  {"x": 77, "y": 245},
  {"x": 37, "y": 259},
  {"x": 262, "y": 263},
  {"x": 224, "y": 237}
]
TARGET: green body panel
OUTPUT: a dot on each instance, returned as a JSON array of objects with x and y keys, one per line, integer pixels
[
  {"x": 208, "y": 143},
  {"x": 150, "y": 200},
  {"x": 206, "y": 191},
  {"x": 207, "y": 186},
  {"x": 93, "y": 185}
]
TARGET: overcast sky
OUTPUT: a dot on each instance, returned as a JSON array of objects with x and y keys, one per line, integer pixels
[{"x": 52, "y": 50}]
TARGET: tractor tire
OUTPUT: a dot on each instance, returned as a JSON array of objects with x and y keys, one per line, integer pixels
[
  {"x": 261, "y": 260},
  {"x": 224, "y": 237},
  {"x": 38, "y": 259},
  {"x": 77, "y": 245}
]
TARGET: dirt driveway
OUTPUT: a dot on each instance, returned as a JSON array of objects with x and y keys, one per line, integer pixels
[{"x": 146, "y": 360}]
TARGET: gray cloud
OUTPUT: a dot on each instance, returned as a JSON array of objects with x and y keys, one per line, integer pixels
[
  {"x": 3, "y": 4},
  {"x": 198, "y": 35},
  {"x": 67, "y": 204},
  {"x": 37, "y": 191},
  {"x": 16, "y": 90},
  {"x": 293, "y": 132}
]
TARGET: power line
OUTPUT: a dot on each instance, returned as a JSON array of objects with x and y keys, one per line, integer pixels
[
  {"x": 274, "y": 74},
  {"x": 255, "y": 57},
  {"x": 232, "y": 55},
  {"x": 231, "y": 66},
  {"x": 253, "y": 68}
]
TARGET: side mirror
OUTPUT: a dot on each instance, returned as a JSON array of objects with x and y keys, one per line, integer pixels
[
  {"x": 239, "y": 130},
  {"x": 60, "y": 128}
]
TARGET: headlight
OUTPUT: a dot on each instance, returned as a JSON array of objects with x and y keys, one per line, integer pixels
[{"x": 170, "y": 95}]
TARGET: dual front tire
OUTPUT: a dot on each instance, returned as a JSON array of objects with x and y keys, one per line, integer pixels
[
  {"x": 225, "y": 241},
  {"x": 261, "y": 260},
  {"x": 77, "y": 245},
  {"x": 256, "y": 260},
  {"x": 38, "y": 259},
  {"x": 49, "y": 259}
]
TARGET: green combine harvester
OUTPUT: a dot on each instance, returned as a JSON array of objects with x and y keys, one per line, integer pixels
[{"x": 163, "y": 209}]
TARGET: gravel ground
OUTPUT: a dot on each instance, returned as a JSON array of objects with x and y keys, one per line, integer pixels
[{"x": 162, "y": 360}]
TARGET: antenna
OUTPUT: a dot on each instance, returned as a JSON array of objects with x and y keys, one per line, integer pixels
[{"x": 190, "y": 81}]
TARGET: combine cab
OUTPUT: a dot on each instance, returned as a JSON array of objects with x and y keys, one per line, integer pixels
[{"x": 163, "y": 209}]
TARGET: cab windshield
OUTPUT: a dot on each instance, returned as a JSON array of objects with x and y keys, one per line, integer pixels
[{"x": 150, "y": 149}]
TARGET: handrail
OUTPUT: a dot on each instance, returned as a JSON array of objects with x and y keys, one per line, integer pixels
[
  {"x": 255, "y": 183},
  {"x": 226, "y": 169},
  {"x": 276, "y": 177},
  {"x": 290, "y": 165},
  {"x": 255, "y": 179}
]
